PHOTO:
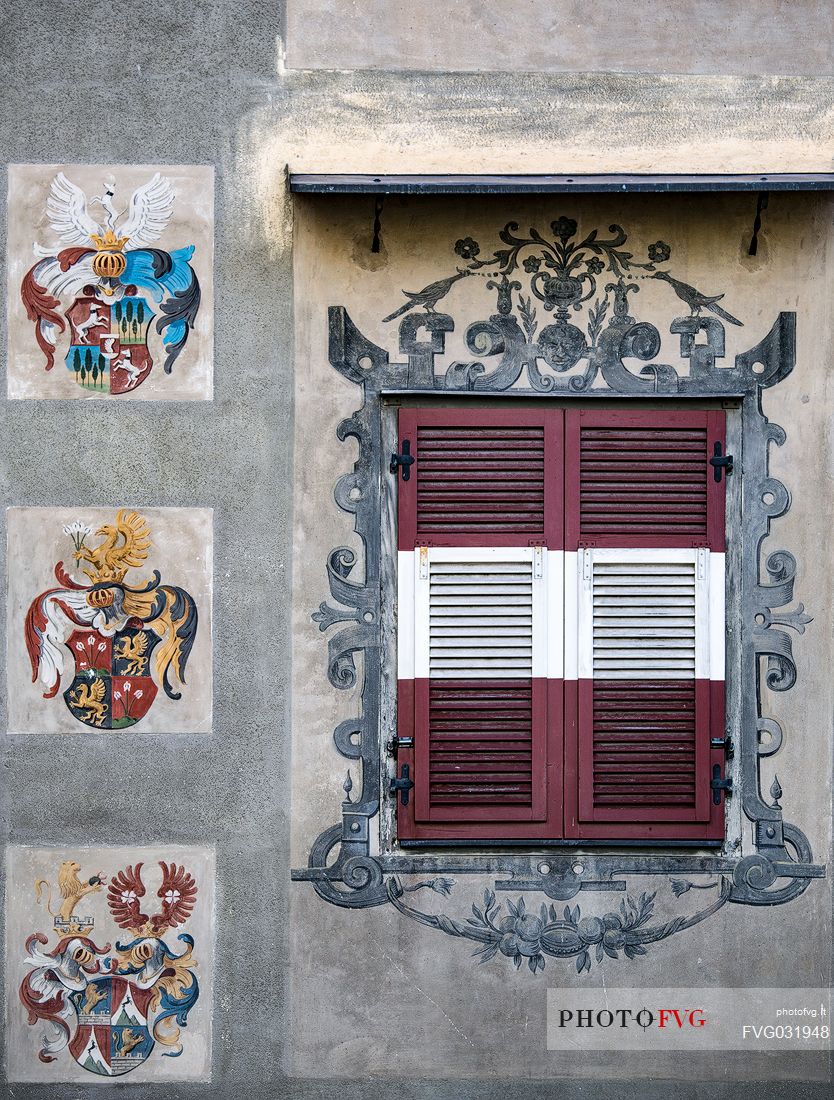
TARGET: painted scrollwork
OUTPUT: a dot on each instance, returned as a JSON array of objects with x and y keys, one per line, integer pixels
[{"x": 564, "y": 278}]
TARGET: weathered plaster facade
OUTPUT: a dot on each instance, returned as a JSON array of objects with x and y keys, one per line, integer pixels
[
  {"x": 310, "y": 1000},
  {"x": 709, "y": 242}
]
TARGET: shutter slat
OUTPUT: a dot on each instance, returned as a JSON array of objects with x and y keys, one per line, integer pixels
[
  {"x": 480, "y": 743},
  {"x": 480, "y": 479},
  {"x": 642, "y": 481}
]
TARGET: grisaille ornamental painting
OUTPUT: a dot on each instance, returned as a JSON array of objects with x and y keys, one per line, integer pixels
[
  {"x": 110, "y": 281},
  {"x": 564, "y": 634},
  {"x": 109, "y": 620},
  {"x": 111, "y": 955}
]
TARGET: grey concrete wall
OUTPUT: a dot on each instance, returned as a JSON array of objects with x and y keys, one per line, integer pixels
[{"x": 206, "y": 83}]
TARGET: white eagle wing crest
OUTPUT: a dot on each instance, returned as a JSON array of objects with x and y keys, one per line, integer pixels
[
  {"x": 67, "y": 211},
  {"x": 150, "y": 211},
  {"x": 57, "y": 629}
]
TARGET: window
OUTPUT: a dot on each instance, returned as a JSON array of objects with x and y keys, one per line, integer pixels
[{"x": 561, "y": 623}]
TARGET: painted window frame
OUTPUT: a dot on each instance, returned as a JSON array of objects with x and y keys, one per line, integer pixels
[{"x": 774, "y": 864}]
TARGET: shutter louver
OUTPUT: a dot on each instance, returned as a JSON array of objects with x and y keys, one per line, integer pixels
[
  {"x": 644, "y": 620},
  {"x": 644, "y": 744},
  {"x": 643, "y": 657},
  {"x": 481, "y": 743},
  {"x": 480, "y": 531},
  {"x": 480, "y": 631},
  {"x": 480, "y": 619},
  {"x": 641, "y": 478},
  {"x": 482, "y": 477},
  {"x": 478, "y": 481}
]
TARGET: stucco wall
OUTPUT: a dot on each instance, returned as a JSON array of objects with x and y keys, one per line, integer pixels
[
  {"x": 207, "y": 83},
  {"x": 370, "y": 982},
  {"x": 648, "y": 36}
]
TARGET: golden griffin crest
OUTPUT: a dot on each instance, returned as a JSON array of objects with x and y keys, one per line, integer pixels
[{"x": 125, "y": 546}]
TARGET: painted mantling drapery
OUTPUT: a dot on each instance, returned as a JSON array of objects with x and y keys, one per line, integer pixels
[{"x": 544, "y": 286}]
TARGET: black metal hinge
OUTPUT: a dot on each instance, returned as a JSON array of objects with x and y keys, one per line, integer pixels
[
  {"x": 393, "y": 746},
  {"x": 405, "y": 460},
  {"x": 403, "y": 784},
  {"x": 720, "y": 461},
  {"x": 718, "y": 785},
  {"x": 725, "y": 743}
]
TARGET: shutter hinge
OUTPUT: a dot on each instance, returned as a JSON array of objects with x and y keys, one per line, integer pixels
[
  {"x": 702, "y": 562},
  {"x": 403, "y": 784},
  {"x": 724, "y": 743},
  {"x": 720, "y": 461},
  {"x": 424, "y": 563},
  {"x": 718, "y": 785},
  {"x": 393, "y": 746},
  {"x": 537, "y": 562},
  {"x": 405, "y": 460}
]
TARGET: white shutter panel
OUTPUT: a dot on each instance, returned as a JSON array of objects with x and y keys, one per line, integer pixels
[
  {"x": 649, "y": 614},
  {"x": 481, "y": 613}
]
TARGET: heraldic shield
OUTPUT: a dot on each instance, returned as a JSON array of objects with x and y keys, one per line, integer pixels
[
  {"x": 127, "y": 641},
  {"x": 112, "y": 1005},
  {"x": 109, "y": 342},
  {"x": 113, "y": 1035},
  {"x": 112, "y": 687}
]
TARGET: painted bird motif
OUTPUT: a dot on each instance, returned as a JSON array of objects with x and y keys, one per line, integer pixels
[
  {"x": 695, "y": 299},
  {"x": 428, "y": 297}
]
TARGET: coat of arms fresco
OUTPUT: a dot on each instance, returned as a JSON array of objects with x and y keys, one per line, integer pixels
[
  {"x": 114, "y": 284},
  {"x": 114, "y": 635},
  {"x": 111, "y": 986}
]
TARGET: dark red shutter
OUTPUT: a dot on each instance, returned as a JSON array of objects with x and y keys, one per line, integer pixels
[
  {"x": 485, "y": 477},
  {"x": 638, "y": 753},
  {"x": 642, "y": 477},
  {"x": 487, "y": 752}
]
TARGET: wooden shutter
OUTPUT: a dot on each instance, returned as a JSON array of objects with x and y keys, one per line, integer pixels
[
  {"x": 642, "y": 478},
  {"x": 480, "y": 617},
  {"x": 645, "y": 585},
  {"x": 486, "y": 477}
]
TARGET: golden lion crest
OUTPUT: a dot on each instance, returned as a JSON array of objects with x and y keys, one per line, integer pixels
[{"x": 71, "y": 890}]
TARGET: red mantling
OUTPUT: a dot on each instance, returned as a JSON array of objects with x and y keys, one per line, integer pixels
[{"x": 40, "y": 307}]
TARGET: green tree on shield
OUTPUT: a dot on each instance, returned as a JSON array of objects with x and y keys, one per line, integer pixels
[{"x": 140, "y": 317}]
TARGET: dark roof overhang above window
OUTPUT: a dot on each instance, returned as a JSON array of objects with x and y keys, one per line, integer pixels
[{"x": 348, "y": 184}]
